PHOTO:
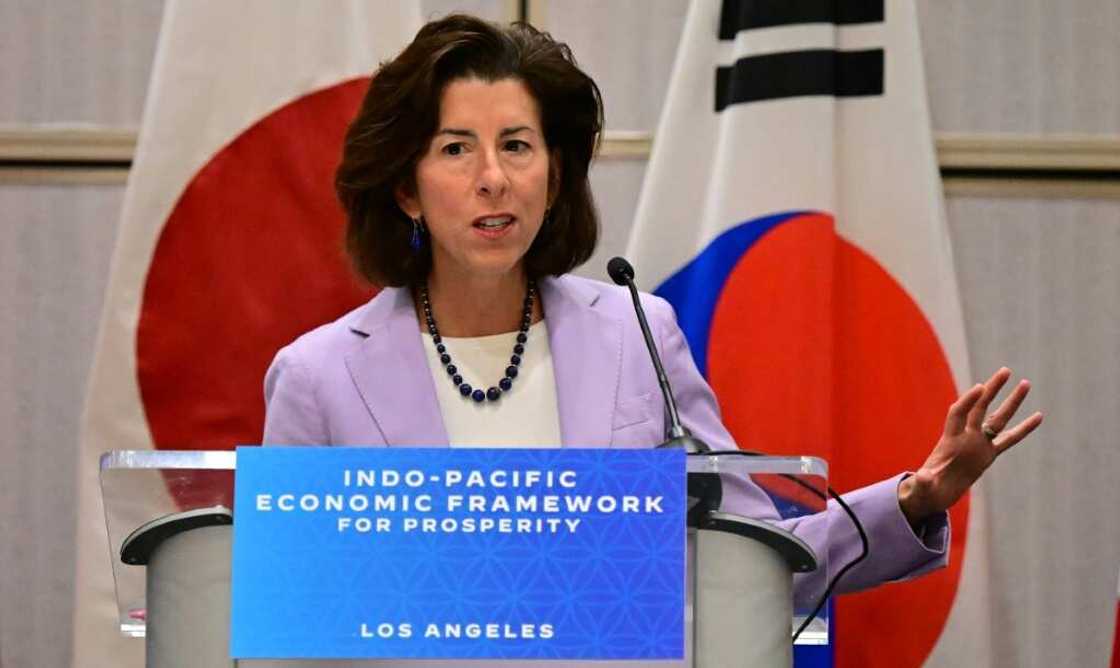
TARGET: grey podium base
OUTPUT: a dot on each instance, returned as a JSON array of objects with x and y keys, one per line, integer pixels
[
  {"x": 744, "y": 603},
  {"x": 740, "y": 573},
  {"x": 188, "y": 600}
]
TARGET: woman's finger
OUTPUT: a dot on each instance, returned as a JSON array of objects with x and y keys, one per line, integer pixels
[
  {"x": 1012, "y": 436},
  {"x": 991, "y": 389},
  {"x": 1002, "y": 415},
  {"x": 958, "y": 412}
]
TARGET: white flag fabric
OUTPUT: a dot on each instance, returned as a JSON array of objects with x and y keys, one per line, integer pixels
[
  {"x": 229, "y": 244},
  {"x": 792, "y": 213}
]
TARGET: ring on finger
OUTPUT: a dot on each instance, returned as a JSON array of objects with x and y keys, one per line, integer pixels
[{"x": 989, "y": 432}]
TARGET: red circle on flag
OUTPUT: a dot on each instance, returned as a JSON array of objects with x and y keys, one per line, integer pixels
[
  {"x": 816, "y": 350},
  {"x": 250, "y": 257}
]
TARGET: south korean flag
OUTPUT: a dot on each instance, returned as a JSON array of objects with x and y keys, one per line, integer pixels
[{"x": 792, "y": 214}]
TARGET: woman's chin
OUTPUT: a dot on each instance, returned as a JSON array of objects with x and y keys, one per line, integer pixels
[{"x": 492, "y": 265}]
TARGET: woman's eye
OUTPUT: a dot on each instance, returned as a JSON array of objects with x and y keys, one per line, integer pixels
[
  {"x": 516, "y": 145},
  {"x": 453, "y": 149}
]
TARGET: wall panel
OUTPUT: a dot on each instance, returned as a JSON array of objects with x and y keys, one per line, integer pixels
[
  {"x": 1023, "y": 66},
  {"x": 627, "y": 46},
  {"x": 76, "y": 62},
  {"x": 616, "y": 185},
  {"x": 1040, "y": 289},
  {"x": 493, "y": 10},
  {"x": 55, "y": 245}
]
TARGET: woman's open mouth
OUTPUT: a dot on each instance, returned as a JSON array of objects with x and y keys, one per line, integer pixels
[{"x": 493, "y": 226}]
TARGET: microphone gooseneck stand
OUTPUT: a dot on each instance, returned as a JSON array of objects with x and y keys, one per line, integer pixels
[
  {"x": 705, "y": 490},
  {"x": 622, "y": 273}
]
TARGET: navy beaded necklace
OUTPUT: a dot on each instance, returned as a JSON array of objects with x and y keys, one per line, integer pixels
[{"x": 506, "y": 383}]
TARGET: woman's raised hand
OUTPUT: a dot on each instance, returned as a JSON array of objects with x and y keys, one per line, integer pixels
[{"x": 972, "y": 440}]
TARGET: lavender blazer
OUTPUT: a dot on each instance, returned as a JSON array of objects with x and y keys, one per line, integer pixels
[{"x": 364, "y": 380}]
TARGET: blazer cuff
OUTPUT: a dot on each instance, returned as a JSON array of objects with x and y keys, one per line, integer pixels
[
  {"x": 899, "y": 552},
  {"x": 933, "y": 531}
]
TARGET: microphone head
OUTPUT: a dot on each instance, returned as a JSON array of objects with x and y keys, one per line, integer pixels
[{"x": 620, "y": 270}]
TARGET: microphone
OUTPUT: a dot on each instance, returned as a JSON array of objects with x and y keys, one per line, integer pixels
[
  {"x": 705, "y": 490},
  {"x": 622, "y": 273}
]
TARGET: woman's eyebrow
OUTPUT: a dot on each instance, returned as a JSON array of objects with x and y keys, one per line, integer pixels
[{"x": 457, "y": 132}]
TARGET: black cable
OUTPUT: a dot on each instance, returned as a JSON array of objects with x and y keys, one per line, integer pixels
[
  {"x": 843, "y": 505},
  {"x": 847, "y": 567}
]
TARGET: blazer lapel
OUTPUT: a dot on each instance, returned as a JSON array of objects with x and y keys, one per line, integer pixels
[
  {"x": 390, "y": 371},
  {"x": 586, "y": 349}
]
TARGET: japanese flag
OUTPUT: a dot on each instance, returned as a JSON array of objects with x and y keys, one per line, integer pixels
[{"x": 228, "y": 246}]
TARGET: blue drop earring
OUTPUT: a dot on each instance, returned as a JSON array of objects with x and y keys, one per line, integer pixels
[{"x": 416, "y": 240}]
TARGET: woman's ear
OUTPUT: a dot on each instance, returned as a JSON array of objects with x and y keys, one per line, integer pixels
[{"x": 407, "y": 201}]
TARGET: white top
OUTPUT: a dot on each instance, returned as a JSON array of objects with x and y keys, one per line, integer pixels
[{"x": 526, "y": 416}]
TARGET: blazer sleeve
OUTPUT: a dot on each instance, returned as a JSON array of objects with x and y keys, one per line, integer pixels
[
  {"x": 896, "y": 551},
  {"x": 292, "y": 412}
]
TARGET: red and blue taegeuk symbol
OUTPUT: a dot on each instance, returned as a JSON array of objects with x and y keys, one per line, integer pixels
[{"x": 813, "y": 348}]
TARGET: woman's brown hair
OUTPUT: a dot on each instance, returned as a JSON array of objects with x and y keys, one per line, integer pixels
[{"x": 400, "y": 113}]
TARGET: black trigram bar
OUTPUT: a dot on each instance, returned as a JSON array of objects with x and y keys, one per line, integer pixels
[
  {"x": 799, "y": 73},
  {"x": 736, "y": 15}
]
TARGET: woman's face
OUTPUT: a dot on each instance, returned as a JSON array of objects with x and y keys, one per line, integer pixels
[{"x": 482, "y": 186}]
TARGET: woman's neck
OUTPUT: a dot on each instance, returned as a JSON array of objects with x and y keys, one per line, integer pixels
[{"x": 479, "y": 305}]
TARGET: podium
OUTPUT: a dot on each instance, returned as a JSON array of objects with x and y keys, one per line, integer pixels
[{"x": 170, "y": 535}]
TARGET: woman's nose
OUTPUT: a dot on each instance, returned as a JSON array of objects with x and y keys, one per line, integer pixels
[{"x": 492, "y": 178}]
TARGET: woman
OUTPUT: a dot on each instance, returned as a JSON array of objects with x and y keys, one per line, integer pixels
[{"x": 464, "y": 177}]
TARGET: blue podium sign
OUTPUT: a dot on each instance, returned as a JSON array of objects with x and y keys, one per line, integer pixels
[{"x": 458, "y": 553}]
